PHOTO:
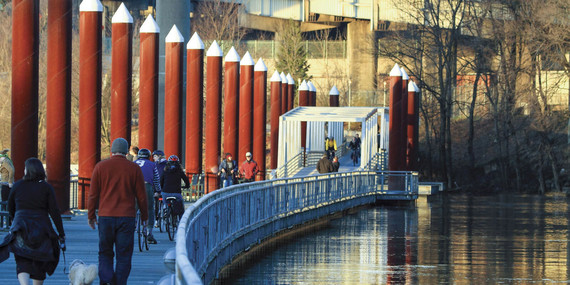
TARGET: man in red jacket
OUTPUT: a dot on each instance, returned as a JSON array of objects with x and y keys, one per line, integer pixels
[
  {"x": 248, "y": 169},
  {"x": 115, "y": 185}
]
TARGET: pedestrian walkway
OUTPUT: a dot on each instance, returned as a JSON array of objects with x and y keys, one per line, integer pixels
[{"x": 83, "y": 243}]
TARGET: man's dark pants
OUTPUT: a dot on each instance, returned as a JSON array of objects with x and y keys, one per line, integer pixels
[{"x": 116, "y": 232}]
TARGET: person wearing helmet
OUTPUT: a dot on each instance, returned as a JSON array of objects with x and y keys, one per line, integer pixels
[
  {"x": 160, "y": 162},
  {"x": 152, "y": 184},
  {"x": 248, "y": 168},
  {"x": 170, "y": 181},
  {"x": 330, "y": 147},
  {"x": 228, "y": 170}
]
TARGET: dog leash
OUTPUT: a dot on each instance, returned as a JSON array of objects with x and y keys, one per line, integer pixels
[{"x": 62, "y": 246}]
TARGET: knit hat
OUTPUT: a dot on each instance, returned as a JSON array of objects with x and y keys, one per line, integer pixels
[
  {"x": 5, "y": 151},
  {"x": 120, "y": 145},
  {"x": 228, "y": 155}
]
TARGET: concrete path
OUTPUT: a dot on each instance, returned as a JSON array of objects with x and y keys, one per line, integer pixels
[
  {"x": 83, "y": 243},
  {"x": 345, "y": 161}
]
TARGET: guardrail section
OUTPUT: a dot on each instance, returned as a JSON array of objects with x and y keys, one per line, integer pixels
[{"x": 226, "y": 222}]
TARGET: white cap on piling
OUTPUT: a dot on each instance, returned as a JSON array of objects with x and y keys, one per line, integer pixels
[
  {"x": 215, "y": 50},
  {"x": 304, "y": 86},
  {"x": 404, "y": 74},
  {"x": 276, "y": 77},
  {"x": 246, "y": 60},
  {"x": 260, "y": 65},
  {"x": 91, "y": 6},
  {"x": 334, "y": 91},
  {"x": 149, "y": 26},
  {"x": 412, "y": 87},
  {"x": 122, "y": 15},
  {"x": 290, "y": 80},
  {"x": 195, "y": 42},
  {"x": 396, "y": 71},
  {"x": 283, "y": 78},
  {"x": 174, "y": 36},
  {"x": 416, "y": 87},
  {"x": 312, "y": 87},
  {"x": 232, "y": 56}
]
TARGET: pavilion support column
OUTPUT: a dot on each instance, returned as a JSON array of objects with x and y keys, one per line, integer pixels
[
  {"x": 122, "y": 74},
  {"x": 25, "y": 60},
  {"x": 174, "y": 50},
  {"x": 275, "y": 112},
  {"x": 304, "y": 101},
  {"x": 194, "y": 105},
  {"x": 213, "y": 121},
  {"x": 231, "y": 107},
  {"x": 148, "y": 86},
  {"x": 259, "y": 117},
  {"x": 58, "y": 117},
  {"x": 245, "y": 132},
  {"x": 90, "y": 66}
]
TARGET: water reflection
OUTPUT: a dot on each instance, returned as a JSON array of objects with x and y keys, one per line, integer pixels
[{"x": 456, "y": 238}]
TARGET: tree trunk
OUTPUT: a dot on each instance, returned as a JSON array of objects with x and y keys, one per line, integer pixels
[{"x": 471, "y": 134}]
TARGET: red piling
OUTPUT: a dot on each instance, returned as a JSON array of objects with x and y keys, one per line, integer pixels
[
  {"x": 213, "y": 115},
  {"x": 25, "y": 48},
  {"x": 245, "y": 106},
  {"x": 275, "y": 113},
  {"x": 395, "y": 160},
  {"x": 304, "y": 100},
  {"x": 284, "y": 94},
  {"x": 90, "y": 66},
  {"x": 290, "y": 92},
  {"x": 194, "y": 104},
  {"x": 412, "y": 127},
  {"x": 148, "y": 86},
  {"x": 174, "y": 54},
  {"x": 259, "y": 117},
  {"x": 58, "y": 116},
  {"x": 403, "y": 123},
  {"x": 312, "y": 93},
  {"x": 231, "y": 94},
  {"x": 334, "y": 97},
  {"x": 122, "y": 74}
]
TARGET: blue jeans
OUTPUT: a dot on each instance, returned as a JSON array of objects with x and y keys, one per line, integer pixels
[
  {"x": 118, "y": 232},
  {"x": 228, "y": 181}
]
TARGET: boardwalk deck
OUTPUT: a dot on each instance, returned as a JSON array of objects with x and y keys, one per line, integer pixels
[
  {"x": 345, "y": 166},
  {"x": 83, "y": 242}
]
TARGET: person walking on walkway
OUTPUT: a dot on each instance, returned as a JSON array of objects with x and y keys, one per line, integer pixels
[
  {"x": 248, "y": 168},
  {"x": 116, "y": 185},
  {"x": 133, "y": 152},
  {"x": 6, "y": 174},
  {"x": 170, "y": 181},
  {"x": 324, "y": 165},
  {"x": 228, "y": 170},
  {"x": 335, "y": 164},
  {"x": 32, "y": 239},
  {"x": 152, "y": 185}
]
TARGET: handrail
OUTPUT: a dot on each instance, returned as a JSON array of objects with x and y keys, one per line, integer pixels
[{"x": 214, "y": 222}]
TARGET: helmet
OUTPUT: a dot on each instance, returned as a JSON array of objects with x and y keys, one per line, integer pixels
[
  {"x": 158, "y": 152},
  {"x": 144, "y": 153},
  {"x": 173, "y": 158}
]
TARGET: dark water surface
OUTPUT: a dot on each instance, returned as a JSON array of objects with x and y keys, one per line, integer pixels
[{"x": 450, "y": 239}]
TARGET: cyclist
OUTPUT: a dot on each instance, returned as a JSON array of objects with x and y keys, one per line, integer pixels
[
  {"x": 160, "y": 162},
  {"x": 354, "y": 145},
  {"x": 170, "y": 180},
  {"x": 330, "y": 147},
  {"x": 152, "y": 184}
]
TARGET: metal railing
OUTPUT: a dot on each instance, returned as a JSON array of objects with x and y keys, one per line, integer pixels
[{"x": 228, "y": 221}]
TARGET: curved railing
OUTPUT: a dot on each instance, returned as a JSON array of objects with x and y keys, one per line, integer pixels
[{"x": 226, "y": 222}]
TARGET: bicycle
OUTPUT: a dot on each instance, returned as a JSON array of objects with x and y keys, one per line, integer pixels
[
  {"x": 141, "y": 232},
  {"x": 170, "y": 219},
  {"x": 160, "y": 214},
  {"x": 355, "y": 154}
]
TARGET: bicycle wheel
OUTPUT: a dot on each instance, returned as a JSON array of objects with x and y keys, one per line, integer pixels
[
  {"x": 166, "y": 220},
  {"x": 145, "y": 235},
  {"x": 170, "y": 226},
  {"x": 139, "y": 231}
]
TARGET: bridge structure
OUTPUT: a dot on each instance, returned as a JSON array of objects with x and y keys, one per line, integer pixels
[{"x": 227, "y": 221}]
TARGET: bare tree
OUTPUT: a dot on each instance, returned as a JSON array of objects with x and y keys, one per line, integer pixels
[
  {"x": 292, "y": 56},
  {"x": 218, "y": 20}
]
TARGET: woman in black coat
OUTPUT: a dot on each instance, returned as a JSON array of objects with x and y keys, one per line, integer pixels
[
  {"x": 32, "y": 239},
  {"x": 170, "y": 181}
]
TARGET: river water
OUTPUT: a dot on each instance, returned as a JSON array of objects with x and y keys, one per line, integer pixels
[{"x": 448, "y": 239}]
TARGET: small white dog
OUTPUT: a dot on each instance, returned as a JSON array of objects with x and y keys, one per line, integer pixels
[{"x": 81, "y": 273}]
